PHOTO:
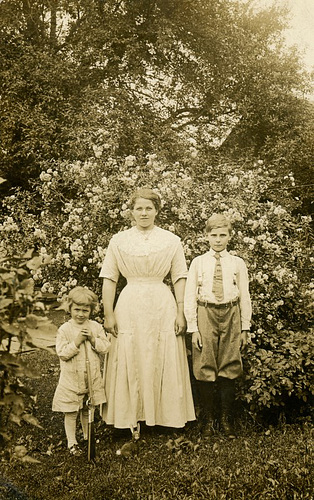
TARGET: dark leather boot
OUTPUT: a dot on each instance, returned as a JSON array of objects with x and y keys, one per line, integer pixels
[
  {"x": 207, "y": 392},
  {"x": 227, "y": 398}
]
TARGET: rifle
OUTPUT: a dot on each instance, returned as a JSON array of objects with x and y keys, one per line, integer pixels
[{"x": 91, "y": 448}]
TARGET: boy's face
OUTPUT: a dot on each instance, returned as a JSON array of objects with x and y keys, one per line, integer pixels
[
  {"x": 218, "y": 238},
  {"x": 80, "y": 313}
]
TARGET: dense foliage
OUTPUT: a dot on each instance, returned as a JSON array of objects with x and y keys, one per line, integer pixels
[
  {"x": 22, "y": 325},
  {"x": 145, "y": 72},
  {"x": 275, "y": 244}
]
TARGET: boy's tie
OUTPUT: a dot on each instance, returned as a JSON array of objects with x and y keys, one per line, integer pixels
[{"x": 218, "y": 290}]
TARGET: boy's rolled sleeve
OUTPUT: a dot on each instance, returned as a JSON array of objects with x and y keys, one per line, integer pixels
[{"x": 190, "y": 298}]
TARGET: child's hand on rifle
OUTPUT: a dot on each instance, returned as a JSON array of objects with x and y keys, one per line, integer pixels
[
  {"x": 80, "y": 338},
  {"x": 88, "y": 335}
]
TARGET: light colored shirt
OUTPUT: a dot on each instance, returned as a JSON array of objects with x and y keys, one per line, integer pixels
[{"x": 199, "y": 286}]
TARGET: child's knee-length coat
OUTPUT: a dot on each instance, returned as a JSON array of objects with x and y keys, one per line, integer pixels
[{"x": 72, "y": 386}]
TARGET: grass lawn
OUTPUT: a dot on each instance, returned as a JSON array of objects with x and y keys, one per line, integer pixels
[{"x": 273, "y": 463}]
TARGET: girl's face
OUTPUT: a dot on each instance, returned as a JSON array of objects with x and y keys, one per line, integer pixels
[
  {"x": 80, "y": 313},
  {"x": 144, "y": 213}
]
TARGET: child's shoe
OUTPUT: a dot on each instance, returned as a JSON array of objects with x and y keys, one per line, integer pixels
[{"x": 75, "y": 450}]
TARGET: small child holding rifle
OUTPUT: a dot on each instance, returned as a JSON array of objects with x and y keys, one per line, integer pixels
[{"x": 75, "y": 338}]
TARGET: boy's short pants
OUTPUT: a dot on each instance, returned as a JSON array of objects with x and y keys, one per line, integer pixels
[{"x": 221, "y": 334}]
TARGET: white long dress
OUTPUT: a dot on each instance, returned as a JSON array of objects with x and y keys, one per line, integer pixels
[{"x": 147, "y": 376}]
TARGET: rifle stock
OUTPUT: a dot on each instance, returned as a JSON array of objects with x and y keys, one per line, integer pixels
[
  {"x": 91, "y": 444},
  {"x": 91, "y": 447}
]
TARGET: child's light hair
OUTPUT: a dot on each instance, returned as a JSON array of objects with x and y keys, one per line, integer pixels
[
  {"x": 218, "y": 220},
  {"x": 82, "y": 296}
]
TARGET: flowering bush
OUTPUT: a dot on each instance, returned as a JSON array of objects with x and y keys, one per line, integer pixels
[{"x": 85, "y": 202}]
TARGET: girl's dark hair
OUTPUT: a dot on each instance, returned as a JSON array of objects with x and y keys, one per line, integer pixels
[{"x": 148, "y": 194}]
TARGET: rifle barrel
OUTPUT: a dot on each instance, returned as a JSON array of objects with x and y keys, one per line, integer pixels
[{"x": 91, "y": 443}]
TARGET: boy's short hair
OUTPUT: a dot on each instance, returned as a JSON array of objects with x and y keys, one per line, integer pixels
[
  {"x": 218, "y": 220},
  {"x": 82, "y": 296}
]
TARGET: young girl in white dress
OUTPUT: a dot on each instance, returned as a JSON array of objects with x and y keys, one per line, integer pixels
[{"x": 147, "y": 376}]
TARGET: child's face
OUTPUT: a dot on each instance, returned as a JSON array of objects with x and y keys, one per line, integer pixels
[
  {"x": 218, "y": 238},
  {"x": 80, "y": 313}
]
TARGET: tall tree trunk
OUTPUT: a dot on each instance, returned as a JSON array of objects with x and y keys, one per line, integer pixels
[
  {"x": 31, "y": 16},
  {"x": 53, "y": 21}
]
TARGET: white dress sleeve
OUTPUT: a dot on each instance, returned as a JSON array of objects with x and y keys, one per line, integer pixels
[
  {"x": 178, "y": 264},
  {"x": 110, "y": 268}
]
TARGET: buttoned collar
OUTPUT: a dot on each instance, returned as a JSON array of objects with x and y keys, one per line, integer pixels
[{"x": 224, "y": 253}]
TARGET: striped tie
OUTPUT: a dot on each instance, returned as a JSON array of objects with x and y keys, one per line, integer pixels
[{"x": 218, "y": 290}]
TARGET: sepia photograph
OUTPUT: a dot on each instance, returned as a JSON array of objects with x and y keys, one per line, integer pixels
[{"x": 156, "y": 249}]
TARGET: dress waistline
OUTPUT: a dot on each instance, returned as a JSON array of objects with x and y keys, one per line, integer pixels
[{"x": 147, "y": 280}]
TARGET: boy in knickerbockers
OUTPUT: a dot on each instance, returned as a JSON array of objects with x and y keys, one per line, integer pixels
[{"x": 218, "y": 311}]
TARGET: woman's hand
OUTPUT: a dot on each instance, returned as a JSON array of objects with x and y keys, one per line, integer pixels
[
  {"x": 180, "y": 323},
  {"x": 111, "y": 325},
  {"x": 197, "y": 340}
]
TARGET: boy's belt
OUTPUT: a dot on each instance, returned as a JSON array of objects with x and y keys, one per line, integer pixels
[{"x": 218, "y": 306}]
